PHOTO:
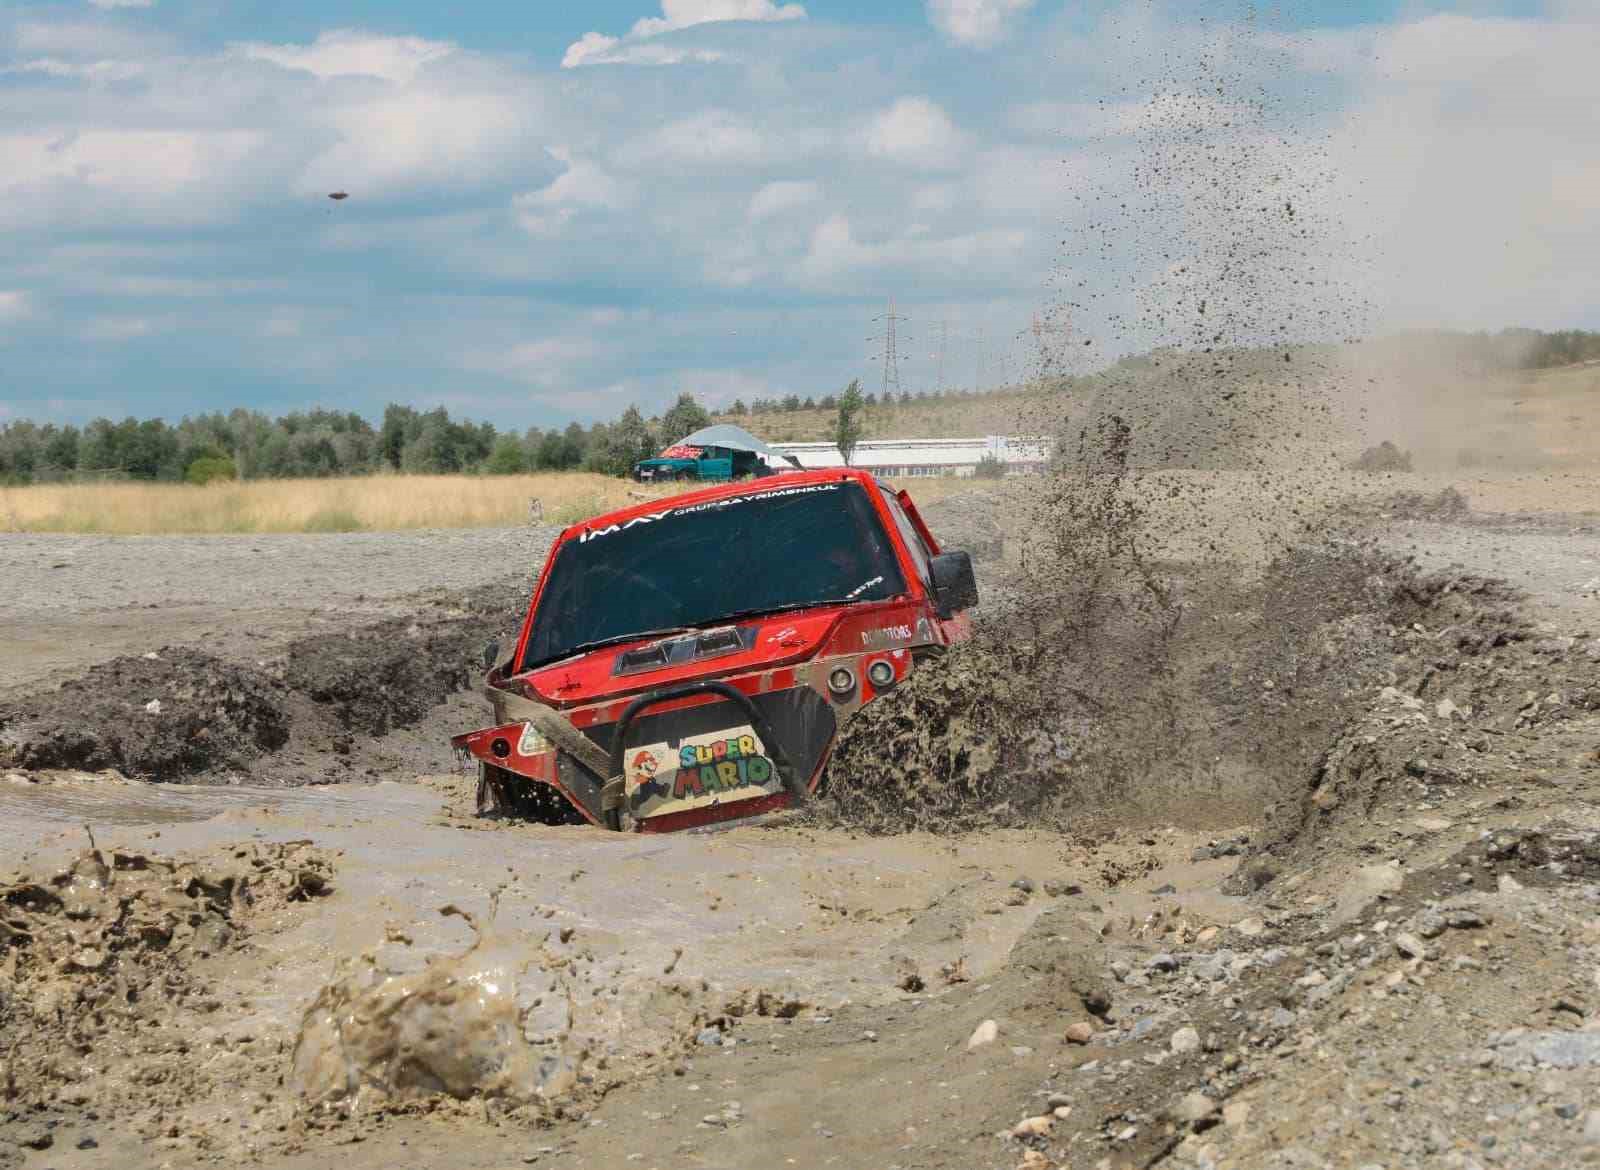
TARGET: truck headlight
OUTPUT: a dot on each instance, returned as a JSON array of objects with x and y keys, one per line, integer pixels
[
  {"x": 841, "y": 681},
  {"x": 882, "y": 674}
]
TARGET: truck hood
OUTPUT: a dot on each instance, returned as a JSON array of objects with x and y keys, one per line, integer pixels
[{"x": 739, "y": 647}]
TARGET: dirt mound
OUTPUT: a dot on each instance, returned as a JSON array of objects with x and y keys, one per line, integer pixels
[
  {"x": 1383, "y": 457},
  {"x": 385, "y": 676},
  {"x": 185, "y": 714},
  {"x": 391, "y": 673},
  {"x": 1446, "y": 504},
  {"x": 163, "y": 716},
  {"x": 1466, "y": 671},
  {"x": 102, "y": 976}
]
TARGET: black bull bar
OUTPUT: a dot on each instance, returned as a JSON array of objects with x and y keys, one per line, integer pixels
[{"x": 793, "y": 782}]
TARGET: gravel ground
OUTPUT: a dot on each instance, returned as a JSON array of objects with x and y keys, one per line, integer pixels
[
  {"x": 50, "y": 573},
  {"x": 1554, "y": 559},
  {"x": 71, "y": 601}
]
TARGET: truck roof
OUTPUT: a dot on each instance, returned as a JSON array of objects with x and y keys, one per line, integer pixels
[{"x": 719, "y": 492}]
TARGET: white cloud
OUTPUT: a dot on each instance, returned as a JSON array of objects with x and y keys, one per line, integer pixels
[
  {"x": 140, "y": 164},
  {"x": 595, "y": 48},
  {"x": 411, "y": 136},
  {"x": 835, "y": 253},
  {"x": 583, "y": 185},
  {"x": 545, "y": 362},
  {"x": 915, "y": 131},
  {"x": 710, "y": 136},
  {"x": 350, "y": 52},
  {"x": 15, "y": 305},
  {"x": 94, "y": 72},
  {"x": 777, "y": 198},
  {"x": 118, "y": 329},
  {"x": 86, "y": 39},
  {"x": 977, "y": 24},
  {"x": 110, "y": 4},
  {"x": 676, "y": 14}
]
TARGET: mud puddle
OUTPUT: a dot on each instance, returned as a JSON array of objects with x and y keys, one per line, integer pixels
[{"x": 602, "y": 960}]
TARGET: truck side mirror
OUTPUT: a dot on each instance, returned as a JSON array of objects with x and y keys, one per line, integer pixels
[{"x": 955, "y": 587}]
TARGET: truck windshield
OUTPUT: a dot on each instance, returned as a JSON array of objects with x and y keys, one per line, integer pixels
[{"x": 701, "y": 564}]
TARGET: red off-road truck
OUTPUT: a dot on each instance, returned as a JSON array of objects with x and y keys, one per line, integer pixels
[{"x": 692, "y": 659}]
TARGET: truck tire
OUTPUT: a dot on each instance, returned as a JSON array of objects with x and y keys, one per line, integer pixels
[{"x": 505, "y": 794}]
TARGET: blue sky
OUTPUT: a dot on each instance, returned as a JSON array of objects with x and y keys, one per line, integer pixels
[{"x": 557, "y": 210}]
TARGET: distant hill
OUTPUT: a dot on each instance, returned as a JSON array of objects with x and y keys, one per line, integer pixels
[{"x": 999, "y": 412}]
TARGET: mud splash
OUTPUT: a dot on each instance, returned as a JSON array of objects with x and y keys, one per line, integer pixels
[{"x": 495, "y": 1021}]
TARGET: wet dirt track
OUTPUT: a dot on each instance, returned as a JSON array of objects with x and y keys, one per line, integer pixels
[{"x": 875, "y": 959}]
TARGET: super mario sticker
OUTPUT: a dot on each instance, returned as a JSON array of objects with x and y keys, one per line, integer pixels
[{"x": 664, "y": 779}]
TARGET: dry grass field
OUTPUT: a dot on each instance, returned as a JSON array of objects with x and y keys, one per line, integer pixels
[
  {"x": 382, "y": 503},
  {"x": 357, "y": 504}
]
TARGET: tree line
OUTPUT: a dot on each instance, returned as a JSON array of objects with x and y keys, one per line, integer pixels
[
  {"x": 793, "y": 402},
  {"x": 247, "y": 444}
]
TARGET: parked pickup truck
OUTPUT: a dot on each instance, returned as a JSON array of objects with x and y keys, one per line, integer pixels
[{"x": 692, "y": 659}]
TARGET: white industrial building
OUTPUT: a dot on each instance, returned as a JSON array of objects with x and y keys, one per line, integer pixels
[{"x": 901, "y": 458}]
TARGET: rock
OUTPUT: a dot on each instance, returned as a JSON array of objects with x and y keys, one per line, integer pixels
[
  {"x": 1212, "y": 968},
  {"x": 1281, "y": 1018},
  {"x": 1033, "y": 1126},
  {"x": 1120, "y": 970},
  {"x": 1034, "y": 1160},
  {"x": 88, "y": 1143},
  {"x": 1390, "y": 695},
  {"x": 1185, "y": 1040},
  {"x": 1023, "y": 884},
  {"x": 709, "y": 1037},
  {"x": 1566, "y": 1111},
  {"x": 1196, "y": 1109},
  {"x": 1096, "y": 998},
  {"x": 1429, "y": 924},
  {"x": 1080, "y": 1032},
  {"x": 1433, "y": 824},
  {"x": 1203, "y": 853},
  {"x": 153, "y": 707},
  {"x": 1250, "y": 927},
  {"x": 1410, "y": 946},
  {"x": 985, "y": 1033},
  {"x": 1463, "y": 920},
  {"x": 1591, "y": 1127},
  {"x": 1557, "y": 1049},
  {"x": 1061, "y": 1112},
  {"x": 1062, "y": 889},
  {"x": 1058, "y": 1101},
  {"x": 1162, "y": 962},
  {"x": 1236, "y": 1113},
  {"x": 870, "y": 1036},
  {"x": 1165, "y": 888},
  {"x": 1445, "y": 709},
  {"x": 1207, "y": 935},
  {"x": 1508, "y": 884}
]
